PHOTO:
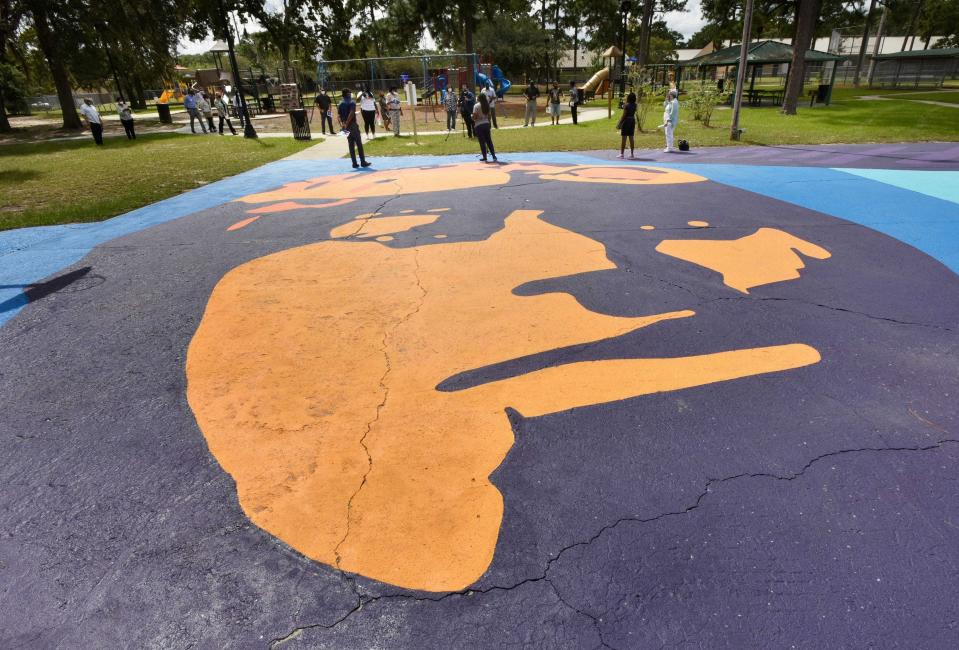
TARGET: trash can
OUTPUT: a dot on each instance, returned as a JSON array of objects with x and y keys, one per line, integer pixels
[
  {"x": 268, "y": 105},
  {"x": 163, "y": 110},
  {"x": 301, "y": 124},
  {"x": 822, "y": 93}
]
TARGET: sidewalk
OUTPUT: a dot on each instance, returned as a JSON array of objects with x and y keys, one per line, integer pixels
[{"x": 335, "y": 146}]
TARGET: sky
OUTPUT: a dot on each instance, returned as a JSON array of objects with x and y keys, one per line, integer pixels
[{"x": 686, "y": 23}]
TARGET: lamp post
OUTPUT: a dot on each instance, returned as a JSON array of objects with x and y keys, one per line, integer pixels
[
  {"x": 248, "y": 130},
  {"x": 624, "y": 8}
]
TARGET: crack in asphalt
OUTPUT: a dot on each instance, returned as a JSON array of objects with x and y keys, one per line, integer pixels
[
  {"x": 839, "y": 309},
  {"x": 544, "y": 576},
  {"x": 595, "y": 621}
]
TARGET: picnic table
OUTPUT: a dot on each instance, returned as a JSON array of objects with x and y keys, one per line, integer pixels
[{"x": 756, "y": 97}]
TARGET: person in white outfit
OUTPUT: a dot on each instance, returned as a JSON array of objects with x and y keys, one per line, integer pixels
[{"x": 670, "y": 118}]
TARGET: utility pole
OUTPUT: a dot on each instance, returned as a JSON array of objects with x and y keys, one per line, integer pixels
[
  {"x": 734, "y": 131},
  {"x": 865, "y": 42},
  {"x": 248, "y": 130}
]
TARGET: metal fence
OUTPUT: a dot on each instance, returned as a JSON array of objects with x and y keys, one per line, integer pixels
[{"x": 41, "y": 103}]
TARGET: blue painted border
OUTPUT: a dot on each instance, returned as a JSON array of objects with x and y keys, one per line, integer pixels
[{"x": 922, "y": 220}]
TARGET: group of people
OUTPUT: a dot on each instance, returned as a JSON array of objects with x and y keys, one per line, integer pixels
[
  {"x": 197, "y": 105},
  {"x": 627, "y": 123},
  {"x": 554, "y": 102},
  {"x": 386, "y": 109},
  {"x": 195, "y": 102}
]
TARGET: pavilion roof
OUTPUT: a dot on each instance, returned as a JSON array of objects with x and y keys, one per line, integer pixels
[{"x": 759, "y": 53}]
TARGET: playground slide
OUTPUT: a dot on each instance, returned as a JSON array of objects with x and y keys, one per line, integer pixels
[
  {"x": 596, "y": 81},
  {"x": 502, "y": 82},
  {"x": 498, "y": 81}
]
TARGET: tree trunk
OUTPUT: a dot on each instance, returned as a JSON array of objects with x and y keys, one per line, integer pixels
[
  {"x": 4, "y": 122},
  {"x": 646, "y": 25},
  {"x": 139, "y": 97},
  {"x": 865, "y": 43},
  {"x": 468, "y": 25},
  {"x": 808, "y": 11},
  {"x": 48, "y": 44},
  {"x": 912, "y": 26},
  {"x": 576, "y": 47}
]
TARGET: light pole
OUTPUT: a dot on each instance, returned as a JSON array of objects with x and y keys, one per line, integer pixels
[
  {"x": 624, "y": 8},
  {"x": 248, "y": 130}
]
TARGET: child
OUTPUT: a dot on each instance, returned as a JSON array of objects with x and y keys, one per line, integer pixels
[{"x": 627, "y": 126}]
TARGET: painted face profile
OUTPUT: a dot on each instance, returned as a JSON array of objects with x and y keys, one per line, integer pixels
[{"x": 324, "y": 377}]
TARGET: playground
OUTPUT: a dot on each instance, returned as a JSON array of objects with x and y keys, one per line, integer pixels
[{"x": 256, "y": 414}]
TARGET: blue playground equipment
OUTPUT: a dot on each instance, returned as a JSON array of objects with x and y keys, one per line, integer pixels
[{"x": 500, "y": 83}]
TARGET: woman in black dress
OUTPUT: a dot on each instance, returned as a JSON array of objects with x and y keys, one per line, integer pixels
[{"x": 627, "y": 126}]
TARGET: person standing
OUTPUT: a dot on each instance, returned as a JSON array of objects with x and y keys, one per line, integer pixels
[
  {"x": 395, "y": 110},
  {"x": 223, "y": 111},
  {"x": 203, "y": 105},
  {"x": 324, "y": 103},
  {"x": 481, "y": 115},
  {"x": 369, "y": 111},
  {"x": 555, "y": 96},
  {"x": 384, "y": 112},
  {"x": 238, "y": 109},
  {"x": 467, "y": 103},
  {"x": 490, "y": 93},
  {"x": 627, "y": 126},
  {"x": 126, "y": 118},
  {"x": 190, "y": 104},
  {"x": 450, "y": 102},
  {"x": 670, "y": 118},
  {"x": 93, "y": 119},
  {"x": 531, "y": 93},
  {"x": 573, "y": 100},
  {"x": 346, "y": 112}
]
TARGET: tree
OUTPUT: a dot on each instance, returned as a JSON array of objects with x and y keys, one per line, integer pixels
[
  {"x": 805, "y": 27},
  {"x": 55, "y": 24},
  {"x": 11, "y": 80}
]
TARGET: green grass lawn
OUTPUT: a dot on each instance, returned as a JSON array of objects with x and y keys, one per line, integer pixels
[
  {"x": 848, "y": 121},
  {"x": 63, "y": 182},
  {"x": 942, "y": 96}
]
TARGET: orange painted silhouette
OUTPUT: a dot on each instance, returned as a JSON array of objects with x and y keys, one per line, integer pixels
[
  {"x": 766, "y": 256},
  {"x": 461, "y": 176},
  {"x": 313, "y": 377}
]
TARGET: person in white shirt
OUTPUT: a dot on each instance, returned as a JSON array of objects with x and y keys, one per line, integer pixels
[
  {"x": 369, "y": 111},
  {"x": 93, "y": 119},
  {"x": 670, "y": 118},
  {"x": 490, "y": 93},
  {"x": 126, "y": 118}
]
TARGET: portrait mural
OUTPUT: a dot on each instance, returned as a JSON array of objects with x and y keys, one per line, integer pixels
[{"x": 328, "y": 378}]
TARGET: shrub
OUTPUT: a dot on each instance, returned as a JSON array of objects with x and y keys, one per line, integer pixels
[{"x": 703, "y": 99}]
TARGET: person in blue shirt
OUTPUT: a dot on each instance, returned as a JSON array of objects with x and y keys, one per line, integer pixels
[
  {"x": 346, "y": 112},
  {"x": 189, "y": 103}
]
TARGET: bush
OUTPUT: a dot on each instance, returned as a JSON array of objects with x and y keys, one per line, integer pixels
[
  {"x": 703, "y": 99},
  {"x": 648, "y": 96}
]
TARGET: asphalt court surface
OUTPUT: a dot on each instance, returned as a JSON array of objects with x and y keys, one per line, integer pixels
[{"x": 560, "y": 402}]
